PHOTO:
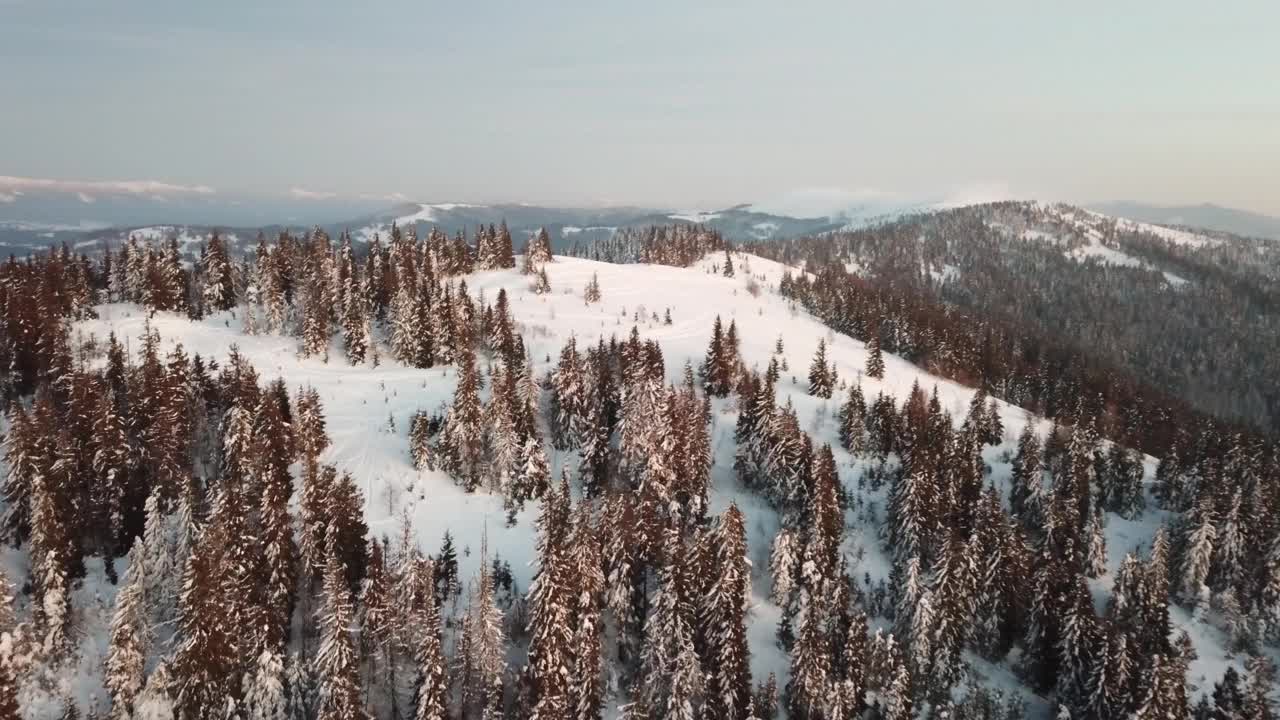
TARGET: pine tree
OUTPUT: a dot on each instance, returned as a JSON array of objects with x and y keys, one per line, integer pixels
[
  {"x": 461, "y": 444},
  {"x": 432, "y": 688},
  {"x": 715, "y": 368},
  {"x": 482, "y": 647},
  {"x": 672, "y": 675},
  {"x": 1096, "y": 554},
  {"x": 265, "y": 697},
  {"x": 1026, "y": 480},
  {"x": 551, "y": 658},
  {"x": 810, "y": 672},
  {"x": 504, "y": 249},
  {"x": 355, "y": 324},
  {"x": 586, "y": 689},
  {"x": 50, "y": 551},
  {"x": 337, "y": 663},
  {"x": 875, "y": 357},
  {"x": 592, "y": 292},
  {"x": 130, "y": 640},
  {"x": 728, "y": 687},
  {"x": 316, "y": 319},
  {"x": 539, "y": 251},
  {"x": 1197, "y": 555},
  {"x": 727, "y": 271},
  {"x": 280, "y": 555},
  {"x": 853, "y": 424},
  {"x": 205, "y": 661},
  {"x": 219, "y": 284},
  {"x": 541, "y": 283},
  {"x": 111, "y": 464},
  {"x": 1257, "y": 703},
  {"x": 820, "y": 382}
]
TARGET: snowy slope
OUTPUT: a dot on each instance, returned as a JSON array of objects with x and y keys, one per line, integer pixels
[{"x": 361, "y": 404}]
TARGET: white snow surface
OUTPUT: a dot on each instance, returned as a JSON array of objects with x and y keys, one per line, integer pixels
[
  {"x": 360, "y": 401},
  {"x": 426, "y": 213},
  {"x": 694, "y": 216}
]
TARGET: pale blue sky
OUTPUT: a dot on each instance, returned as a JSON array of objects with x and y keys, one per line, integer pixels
[{"x": 684, "y": 104}]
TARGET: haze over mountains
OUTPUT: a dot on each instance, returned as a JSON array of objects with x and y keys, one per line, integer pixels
[{"x": 90, "y": 215}]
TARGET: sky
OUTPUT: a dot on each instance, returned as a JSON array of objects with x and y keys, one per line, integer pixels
[{"x": 670, "y": 104}]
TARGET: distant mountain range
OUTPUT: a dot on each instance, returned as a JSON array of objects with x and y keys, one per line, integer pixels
[
  {"x": 1206, "y": 216},
  {"x": 21, "y": 235}
]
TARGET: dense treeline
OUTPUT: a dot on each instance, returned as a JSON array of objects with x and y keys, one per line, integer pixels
[
  {"x": 1205, "y": 335},
  {"x": 680, "y": 245}
]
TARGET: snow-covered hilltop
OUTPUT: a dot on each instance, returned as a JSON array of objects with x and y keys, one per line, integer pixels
[{"x": 375, "y": 413}]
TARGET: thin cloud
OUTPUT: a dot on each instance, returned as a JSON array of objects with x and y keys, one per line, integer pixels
[
  {"x": 15, "y": 185},
  {"x": 303, "y": 194},
  {"x": 978, "y": 194},
  {"x": 86, "y": 198},
  {"x": 8, "y": 197}
]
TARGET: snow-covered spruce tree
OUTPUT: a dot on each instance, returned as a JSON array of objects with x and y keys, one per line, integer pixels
[
  {"x": 670, "y": 673},
  {"x": 405, "y": 331},
  {"x": 279, "y": 570},
  {"x": 806, "y": 692},
  {"x": 569, "y": 398},
  {"x": 204, "y": 663},
  {"x": 461, "y": 444},
  {"x": 381, "y": 631},
  {"x": 504, "y": 248},
  {"x": 337, "y": 662},
  {"x": 551, "y": 659},
  {"x": 431, "y": 694},
  {"x": 346, "y": 526},
  {"x": 1096, "y": 549},
  {"x": 1171, "y": 483},
  {"x": 265, "y": 696},
  {"x": 595, "y": 449},
  {"x": 541, "y": 283},
  {"x": 1197, "y": 556},
  {"x": 312, "y": 438},
  {"x": 820, "y": 383},
  {"x": 219, "y": 284},
  {"x": 853, "y": 423},
  {"x": 1077, "y": 644},
  {"x": 109, "y": 445},
  {"x": 1228, "y": 548},
  {"x": 50, "y": 550},
  {"x": 421, "y": 448},
  {"x": 727, "y": 270},
  {"x": 316, "y": 319},
  {"x": 355, "y": 322},
  {"x": 875, "y": 356},
  {"x": 591, "y": 294},
  {"x": 533, "y": 477},
  {"x": 445, "y": 567},
  {"x": 482, "y": 647},
  {"x": 723, "y": 619},
  {"x": 586, "y": 689},
  {"x": 827, "y": 521},
  {"x": 623, "y": 573},
  {"x": 1026, "y": 481},
  {"x": 130, "y": 639},
  {"x": 715, "y": 367},
  {"x": 539, "y": 250}
]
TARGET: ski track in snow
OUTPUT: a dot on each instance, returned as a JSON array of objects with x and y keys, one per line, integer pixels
[{"x": 359, "y": 400}]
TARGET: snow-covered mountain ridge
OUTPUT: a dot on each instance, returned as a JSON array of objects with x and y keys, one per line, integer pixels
[{"x": 368, "y": 410}]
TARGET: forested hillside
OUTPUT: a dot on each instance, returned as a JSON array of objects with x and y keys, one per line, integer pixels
[
  {"x": 452, "y": 478},
  {"x": 1194, "y": 314}
]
